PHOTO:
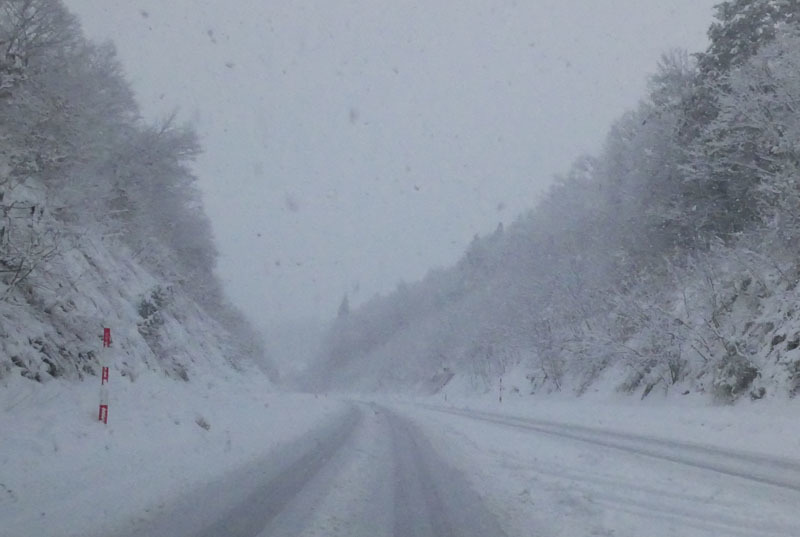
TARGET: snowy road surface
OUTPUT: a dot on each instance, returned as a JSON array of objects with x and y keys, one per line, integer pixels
[
  {"x": 371, "y": 473},
  {"x": 548, "y": 478},
  {"x": 406, "y": 470}
]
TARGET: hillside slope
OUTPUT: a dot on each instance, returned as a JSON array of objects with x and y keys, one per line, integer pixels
[
  {"x": 101, "y": 221},
  {"x": 667, "y": 262},
  {"x": 52, "y": 323}
]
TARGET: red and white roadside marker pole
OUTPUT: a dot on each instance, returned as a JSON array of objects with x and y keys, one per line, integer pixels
[
  {"x": 103, "y": 416},
  {"x": 501, "y": 389}
]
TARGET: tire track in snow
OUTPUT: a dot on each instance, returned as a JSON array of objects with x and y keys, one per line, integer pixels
[
  {"x": 432, "y": 499},
  {"x": 736, "y": 493},
  {"x": 243, "y": 503},
  {"x": 253, "y": 515},
  {"x": 403, "y": 488},
  {"x": 774, "y": 471}
]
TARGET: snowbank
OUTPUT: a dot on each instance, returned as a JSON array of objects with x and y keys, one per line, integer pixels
[
  {"x": 615, "y": 466},
  {"x": 768, "y": 426},
  {"x": 64, "y": 473}
]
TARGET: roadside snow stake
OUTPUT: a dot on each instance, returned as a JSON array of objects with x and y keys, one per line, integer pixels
[{"x": 103, "y": 415}]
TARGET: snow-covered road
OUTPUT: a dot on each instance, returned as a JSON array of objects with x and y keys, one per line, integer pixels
[
  {"x": 421, "y": 470},
  {"x": 370, "y": 473},
  {"x": 780, "y": 472},
  {"x": 543, "y": 477},
  {"x": 280, "y": 464}
]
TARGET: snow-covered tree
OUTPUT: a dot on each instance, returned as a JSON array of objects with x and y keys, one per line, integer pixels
[{"x": 742, "y": 28}]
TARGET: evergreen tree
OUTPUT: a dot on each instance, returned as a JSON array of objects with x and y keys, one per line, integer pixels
[{"x": 344, "y": 308}]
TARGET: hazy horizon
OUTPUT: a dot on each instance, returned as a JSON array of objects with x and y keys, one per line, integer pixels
[{"x": 354, "y": 145}]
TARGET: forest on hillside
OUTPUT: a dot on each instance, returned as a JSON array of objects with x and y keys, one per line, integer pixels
[
  {"x": 92, "y": 196},
  {"x": 668, "y": 261}
]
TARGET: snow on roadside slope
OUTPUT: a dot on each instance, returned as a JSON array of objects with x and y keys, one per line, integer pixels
[
  {"x": 768, "y": 426},
  {"x": 63, "y": 473},
  {"x": 551, "y": 484}
]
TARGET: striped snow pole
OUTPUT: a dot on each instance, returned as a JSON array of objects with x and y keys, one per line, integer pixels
[{"x": 103, "y": 416}]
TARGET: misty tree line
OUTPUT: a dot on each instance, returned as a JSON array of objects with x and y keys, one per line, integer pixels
[
  {"x": 77, "y": 160},
  {"x": 671, "y": 258}
]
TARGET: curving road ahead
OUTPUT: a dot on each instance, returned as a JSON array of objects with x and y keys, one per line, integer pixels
[
  {"x": 372, "y": 473},
  {"x": 418, "y": 470}
]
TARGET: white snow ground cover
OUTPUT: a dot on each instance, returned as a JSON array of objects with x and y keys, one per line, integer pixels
[
  {"x": 621, "y": 467},
  {"x": 545, "y": 465},
  {"x": 64, "y": 473}
]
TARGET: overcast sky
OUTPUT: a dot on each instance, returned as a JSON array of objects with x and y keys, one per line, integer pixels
[{"x": 352, "y": 144}]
